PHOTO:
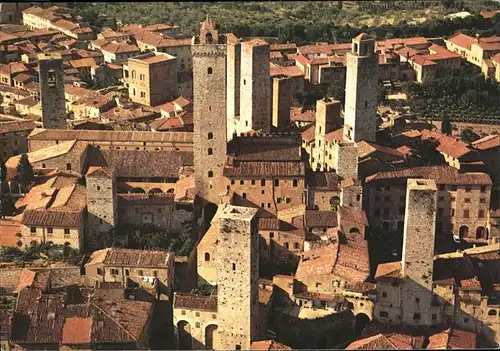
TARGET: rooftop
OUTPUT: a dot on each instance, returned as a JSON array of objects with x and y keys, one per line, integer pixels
[
  {"x": 130, "y": 258},
  {"x": 195, "y": 302}
]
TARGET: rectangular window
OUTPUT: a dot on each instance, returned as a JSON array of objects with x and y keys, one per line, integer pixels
[
  {"x": 483, "y": 189},
  {"x": 453, "y": 188},
  {"x": 33, "y": 230},
  {"x": 384, "y": 294},
  {"x": 434, "y": 316},
  {"x": 467, "y": 189},
  {"x": 141, "y": 273},
  {"x": 262, "y": 182},
  {"x": 467, "y": 200},
  {"x": 482, "y": 201},
  {"x": 295, "y": 182},
  {"x": 276, "y": 182},
  {"x": 155, "y": 273},
  {"x": 441, "y": 198},
  {"x": 416, "y": 316},
  {"x": 466, "y": 213},
  {"x": 271, "y": 235},
  {"x": 242, "y": 182},
  {"x": 127, "y": 272},
  {"x": 253, "y": 181},
  {"x": 481, "y": 214},
  {"x": 417, "y": 300},
  {"x": 232, "y": 181},
  {"x": 442, "y": 187},
  {"x": 50, "y": 230},
  {"x": 66, "y": 231},
  {"x": 384, "y": 314},
  {"x": 286, "y": 246}
]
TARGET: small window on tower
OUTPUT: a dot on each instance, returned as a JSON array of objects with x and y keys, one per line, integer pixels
[
  {"x": 209, "y": 70},
  {"x": 210, "y": 151},
  {"x": 234, "y": 266},
  {"x": 51, "y": 78},
  {"x": 366, "y": 103},
  {"x": 210, "y": 135}
]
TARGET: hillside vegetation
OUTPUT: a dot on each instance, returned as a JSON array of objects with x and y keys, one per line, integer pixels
[{"x": 305, "y": 21}]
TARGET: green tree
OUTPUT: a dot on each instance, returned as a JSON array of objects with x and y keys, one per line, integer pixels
[
  {"x": 469, "y": 136},
  {"x": 24, "y": 171},
  {"x": 184, "y": 243},
  {"x": 446, "y": 125},
  {"x": 7, "y": 207}
]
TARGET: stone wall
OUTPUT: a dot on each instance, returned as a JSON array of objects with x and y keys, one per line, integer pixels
[
  {"x": 209, "y": 69},
  {"x": 346, "y": 160},
  {"x": 51, "y": 79},
  {"x": 417, "y": 259},
  {"x": 233, "y": 86},
  {"x": 282, "y": 101}
]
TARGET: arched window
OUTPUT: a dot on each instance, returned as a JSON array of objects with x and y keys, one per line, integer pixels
[
  {"x": 210, "y": 135},
  {"x": 492, "y": 313},
  {"x": 210, "y": 174},
  {"x": 210, "y": 151},
  {"x": 207, "y": 256},
  {"x": 68, "y": 166},
  {"x": 133, "y": 73},
  {"x": 209, "y": 70}
]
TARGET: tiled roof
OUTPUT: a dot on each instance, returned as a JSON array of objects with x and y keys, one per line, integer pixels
[
  {"x": 51, "y": 218},
  {"x": 300, "y": 114},
  {"x": 130, "y": 258},
  {"x": 488, "y": 142},
  {"x": 101, "y": 135},
  {"x": 289, "y": 71},
  {"x": 453, "y": 338},
  {"x": 145, "y": 199},
  {"x": 322, "y": 180},
  {"x": 265, "y": 169},
  {"x": 141, "y": 163},
  {"x": 336, "y": 135},
  {"x": 119, "y": 48},
  {"x": 69, "y": 147},
  {"x": 309, "y": 134},
  {"x": 8, "y": 231},
  {"x": 83, "y": 62},
  {"x": 77, "y": 330},
  {"x": 441, "y": 174},
  {"x": 326, "y": 219},
  {"x": 265, "y": 149},
  {"x": 462, "y": 40},
  {"x": 317, "y": 262},
  {"x": 366, "y": 148},
  {"x": 388, "y": 270},
  {"x": 375, "y": 342},
  {"x": 268, "y": 345},
  {"x": 195, "y": 302},
  {"x": 353, "y": 214},
  {"x": 17, "y": 126}
]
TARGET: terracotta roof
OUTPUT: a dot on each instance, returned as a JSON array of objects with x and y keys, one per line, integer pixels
[
  {"x": 268, "y": 345},
  {"x": 302, "y": 115},
  {"x": 486, "y": 143},
  {"x": 375, "y": 342},
  {"x": 353, "y": 214},
  {"x": 309, "y": 134},
  {"x": 83, "y": 62},
  {"x": 141, "y": 163},
  {"x": 447, "y": 145},
  {"x": 130, "y": 258},
  {"x": 326, "y": 219},
  {"x": 366, "y": 148},
  {"x": 8, "y": 231},
  {"x": 77, "y": 330},
  {"x": 107, "y": 135},
  {"x": 195, "y": 302},
  {"x": 462, "y": 40},
  {"x": 489, "y": 14},
  {"x": 453, "y": 338},
  {"x": 119, "y": 48},
  {"x": 336, "y": 135},
  {"x": 265, "y": 169},
  {"x": 441, "y": 174},
  {"x": 17, "y": 126},
  {"x": 264, "y": 148},
  {"x": 322, "y": 180},
  {"x": 151, "y": 59},
  {"x": 422, "y": 60},
  {"x": 389, "y": 269},
  {"x": 324, "y": 48},
  {"x": 51, "y": 218},
  {"x": 319, "y": 261},
  {"x": 289, "y": 71}
]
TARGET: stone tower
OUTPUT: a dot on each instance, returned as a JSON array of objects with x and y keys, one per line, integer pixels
[
  {"x": 255, "y": 87},
  {"x": 345, "y": 160},
  {"x": 209, "y": 114},
  {"x": 327, "y": 120},
  {"x": 237, "y": 278},
  {"x": 418, "y": 251},
  {"x": 282, "y": 101},
  {"x": 51, "y": 78},
  {"x": 361, "y": 91},
  {"x": 233, "y": 83},
  {"x": 101, "y": 205}
]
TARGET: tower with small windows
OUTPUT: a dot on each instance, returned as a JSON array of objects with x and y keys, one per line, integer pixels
[
  {"x": 361, "y": 91},
  {"x": 237, "y": 278},
  {"x": 209, "y": 114},
  {"x": 101, "y": 205},
  {"x": 52, "y": 99}
]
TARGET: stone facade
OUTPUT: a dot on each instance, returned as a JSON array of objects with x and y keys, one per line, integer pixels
[
  {"x": 51, "y": 78},
  {"x": 361, "y": 93},
  {"x": 210, "y": 136},
  {"x": 13, "y": 138},
  {"x": 238, "y": 271},
  {"x": 417, "y": 260},
  {"x": 233, "y": 86},
  {"x": 345, "y": 160},
  {"x": 255, "y": 88},
  {"x": 282, "y": 101},
  {"x": 327, "y": 120},
  {"x": 101, "y": 205}
]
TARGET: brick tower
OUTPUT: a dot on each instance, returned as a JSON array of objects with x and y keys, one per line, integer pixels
[
  {"x": 418, "y": 251},
  {"x": 101, "y": 205},
  {"x": 361, "y": 91},
  {"x": 327, "y": 120},
  {"x": 209, "y": 114},
  {"x": 51, "y": 78},
  {"x": 237, "y": 278},
  {"x": 255, "y": 87}
]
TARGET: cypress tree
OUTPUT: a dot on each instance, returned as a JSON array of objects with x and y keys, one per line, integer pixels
[{"x": 24, "y": 171}]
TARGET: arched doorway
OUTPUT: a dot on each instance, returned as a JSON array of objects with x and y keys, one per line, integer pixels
[
  {"x": 210, "y": 336},
  {"x": 354, "y": 230},
  {"x": 208, "y": 213},
  {"x": 361, "y": 322},
  {"x": 335, "y": 202},
  {"x": 137, "y": 191},
  {"x": 184, "y": 331},
  {"x": 481, "y": 233},
  {"x": 464, "y": 230},
  {"x": 155, "y": 191}
]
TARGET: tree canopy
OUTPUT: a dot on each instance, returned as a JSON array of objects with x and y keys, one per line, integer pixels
[{"x": 24, "y": 171}]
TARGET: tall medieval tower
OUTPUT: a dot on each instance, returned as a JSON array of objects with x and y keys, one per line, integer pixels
[
  {"x": 51, "y": 79},
  {"x": 361, "y": 92},
  {"x": 233, "y": 83},
  {"x": 101, "y": 205},
  {"x": 327, "y": 120},
  {"x": 418, "y": 251},
  {"x": 209, "y": 102},
  {"x": 237, "y": 278},
  {"x": 255, "y": 87}
]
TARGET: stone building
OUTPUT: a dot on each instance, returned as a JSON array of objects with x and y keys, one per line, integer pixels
[
  {"x": 233, "y": 83},
  {"x": 361, "y": 90},
  {"x": 255, "y": 88},
  {"x": 101, "y": 205},
  {"x": 13, "y": 137},
  {"x": 151, "y": 78},
  {"x": 52, "y": 91},
  {"x": 152, "y": 270},
  {"x": 209, "y": 114},
  {"x": 417, "y": 261},
  {"x": 462, "y": 207},
  {"x": 237, "y": 280}
]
